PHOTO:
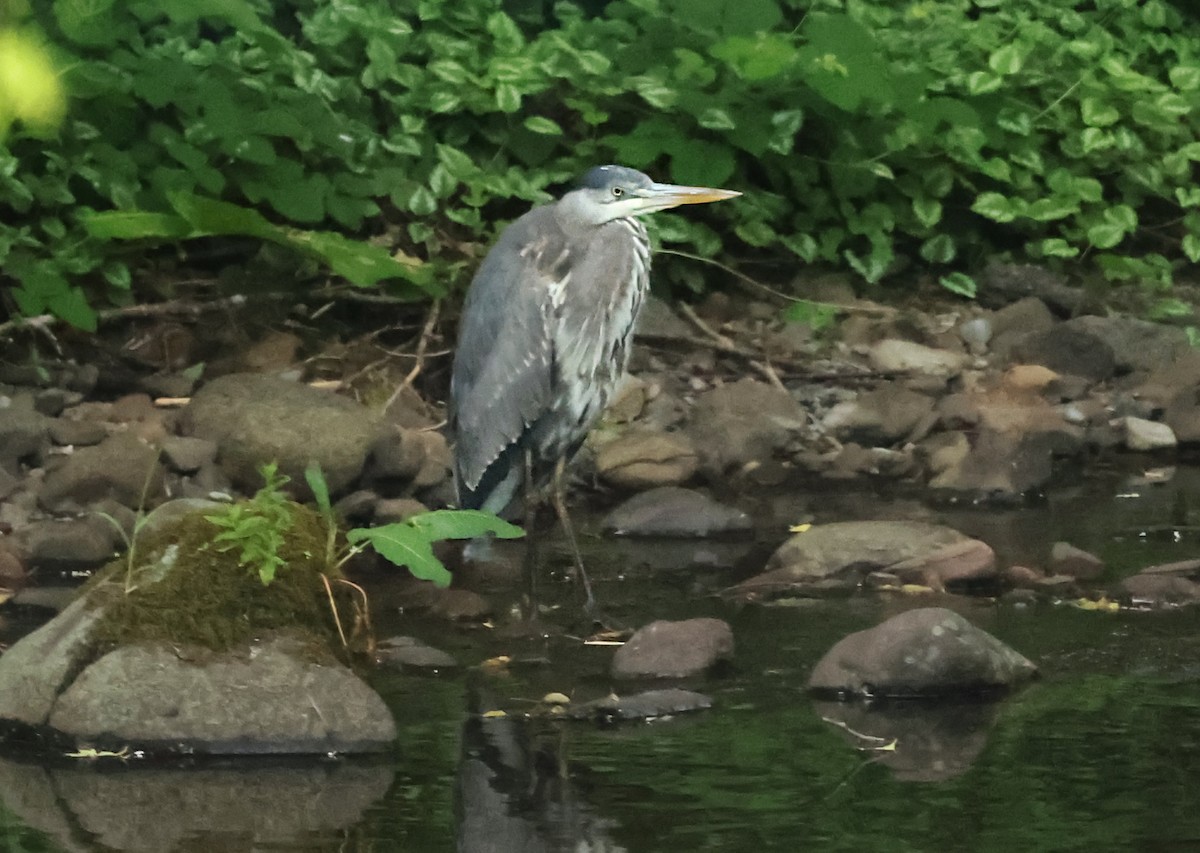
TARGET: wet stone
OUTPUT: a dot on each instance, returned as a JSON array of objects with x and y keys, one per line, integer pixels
[
  {"x": 674, "y": 649},
  {"x": 77, "y": 433},
  {"x": 186, "y": 454},
  {"x": 1066, "y": 559},
  {"x": 926, "y": 652},
  {"x": 647, "y": 705},
  {"x": 676, "y": 512},
  {"x": 411, "y": 653}
]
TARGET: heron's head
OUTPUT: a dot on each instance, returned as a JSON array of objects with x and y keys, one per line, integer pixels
[{"x": 606, "y": 193}]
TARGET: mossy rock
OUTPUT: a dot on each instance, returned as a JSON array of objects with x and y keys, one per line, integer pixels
[{"x": 181, "y": 586}]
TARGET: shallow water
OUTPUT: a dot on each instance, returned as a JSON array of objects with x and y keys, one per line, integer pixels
[{"x": 1102, "y": 753}]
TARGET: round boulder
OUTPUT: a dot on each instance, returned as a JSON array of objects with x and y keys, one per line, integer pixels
[
  {"x": 927, "y": 652},
  {"x": 674, "y": 649},
  {"x": 256, "y": 419}
]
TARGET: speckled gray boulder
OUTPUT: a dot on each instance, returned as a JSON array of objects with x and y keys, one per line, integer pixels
[{"x": 927, "y": 652}]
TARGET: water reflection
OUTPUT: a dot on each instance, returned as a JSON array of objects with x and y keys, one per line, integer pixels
[
  {"x": 513, "y": 793},
  {"x": 918, "y": 741},
  {"x": 286, "y": 806}
]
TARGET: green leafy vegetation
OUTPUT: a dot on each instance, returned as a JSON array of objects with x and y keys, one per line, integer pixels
[
  {"x": 870, "y": 136},
  {"x": 408, "y": 543},
  {"x": 256, "y": 527}
]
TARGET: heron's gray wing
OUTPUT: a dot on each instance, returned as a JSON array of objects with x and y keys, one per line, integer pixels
[{"x": 504, "y": 365}]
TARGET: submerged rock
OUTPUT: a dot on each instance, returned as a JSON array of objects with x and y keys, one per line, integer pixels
[
  {"x": 674, "y": 649},
  {"x": 647, "y": 705},
  {"x": 840, "y": 555},
  {"x": 673, "y": 511},
  {"x": 927, "y": 652}
]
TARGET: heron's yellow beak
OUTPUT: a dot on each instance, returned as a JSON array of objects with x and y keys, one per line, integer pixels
[{"x": 673, "y": 195}]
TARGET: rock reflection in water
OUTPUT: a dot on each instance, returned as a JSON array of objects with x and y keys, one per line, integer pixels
[
  {"x": 933, "y": 741},
  {"x": 283, "y": 806},
  {"x": 514, "y": 794}
]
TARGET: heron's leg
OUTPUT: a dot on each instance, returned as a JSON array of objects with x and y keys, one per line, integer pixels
[
  {"x": 532, "y": 561},
  {"x": 560, "y": 507}
]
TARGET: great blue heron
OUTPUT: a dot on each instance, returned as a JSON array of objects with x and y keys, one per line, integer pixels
[{"x": 545, "y": 334}]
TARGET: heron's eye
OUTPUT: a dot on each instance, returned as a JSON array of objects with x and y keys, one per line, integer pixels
[{"x": 617, "y": 192}]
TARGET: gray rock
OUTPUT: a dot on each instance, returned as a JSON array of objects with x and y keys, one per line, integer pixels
[
  {"x": 927, "y": 652},
  {"x": 77, "y": 433},
  {"x": 187, "y": 454},
  {"x": 275, "y": 699},
  {"x": 1069, "y": 349},
  {"x": 1002, "y": 465},
  {"x": 411, "y": 653},
  {"x": 674, "y": 649},
  {"x": 840, "y": 555},
  {"x": 38, "y": 666},
  {"x": 880, "y": 417},
  {"x": 743, "y": 422},
  {"x": 674, "y": 511},
  {"x": 1066, "y": 559},
  {"x": 1160, "y": 590},
  {"x": 1143, "y": 435},
  {"x": 70, "y": 544},
  {"x": 24, "y": 432},
  {"x": 647, "y": 705},
  {"x": 894, "y": 355},
  {"x": 644, "y": 460},
  {"x": 1001, "y": 283},
  {"x": 256, "y": 419},
  {"x": 121, "y": 467},
  {"x": 1136, "y": 344}
]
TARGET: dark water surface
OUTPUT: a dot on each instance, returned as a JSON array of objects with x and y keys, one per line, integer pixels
[{"x": 1102, "y": 753}]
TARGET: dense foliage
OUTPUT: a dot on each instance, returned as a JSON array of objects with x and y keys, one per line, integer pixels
[{"x": 864, "y": 133}]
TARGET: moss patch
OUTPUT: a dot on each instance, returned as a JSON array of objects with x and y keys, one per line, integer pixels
[{"x": 206, "y": 598}]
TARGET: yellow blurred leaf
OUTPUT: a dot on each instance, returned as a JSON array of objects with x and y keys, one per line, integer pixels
[{"x": 29, "y": 86}]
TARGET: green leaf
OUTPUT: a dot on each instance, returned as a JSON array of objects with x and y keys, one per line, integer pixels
[
  {"x": 1055, "y": 247},
  {"x": 939, "y": 249},
  {"x": 1006, "y": 60},
  {"x": 320, "y": 489},
  {"x": 983, "y": 82},
  {"x": 715, "y": 118},
  {"x": 959, "y": 283},
  {"x": 404, "y": 545},
  {"x": 1097, "y": 113},
  {"x": 134, "y": 225},
  {"x": 927, "y": 210},
  {"x": 543, "y": 125},
  {"x": 463, "y": 524},
  {"x": 995, "y": 207}
]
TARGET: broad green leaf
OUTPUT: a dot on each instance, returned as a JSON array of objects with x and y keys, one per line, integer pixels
[
  {"x": 1006, "y": 60},
  {"x": 404, "y": 545},
  {"x": 463, "y": 524},
  {"x": 939, "y": 249},
  {"x": 134, "y": 225},
  {"x": 927, "y": 210},
  {"x": 1098, "y": 113},
  {"x": 543, "y": 125},
  {"x": 1055, "y": 247},
  {"x": 995, "y": 207},
  {"x": 959, "y": 283}
]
